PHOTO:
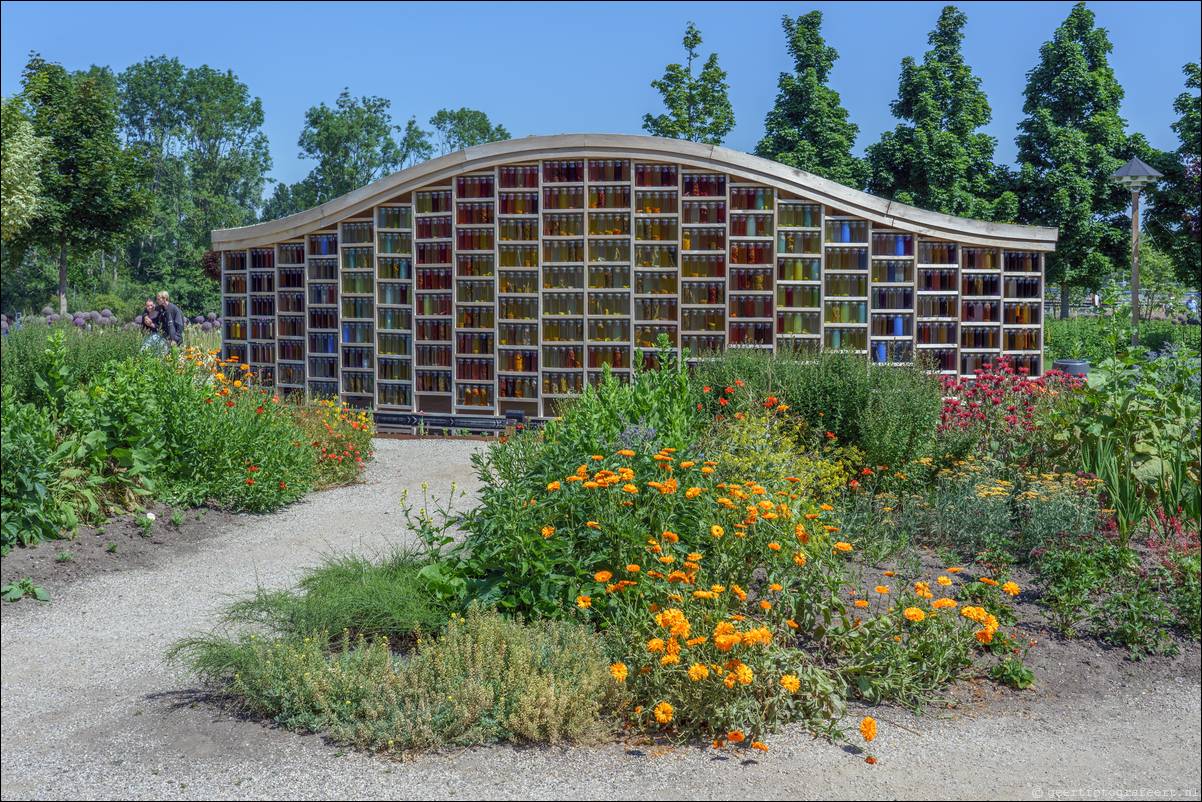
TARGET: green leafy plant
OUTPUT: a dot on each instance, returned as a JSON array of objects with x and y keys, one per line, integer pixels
[
  {"x": 65, "y": 556},
  {"x": 1013, "y": 672},
  {"x": 15, "y": 591},
  {"x": 112, "y": 547},
  {"x": 177, "y": 518}
]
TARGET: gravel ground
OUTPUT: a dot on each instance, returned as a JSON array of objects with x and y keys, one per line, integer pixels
[{"x": 91, "y": 711}]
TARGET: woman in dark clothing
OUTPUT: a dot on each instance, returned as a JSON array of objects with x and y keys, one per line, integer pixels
[
  {"x": 151, "y": 321},
  {"x": 171, "y": 320}
]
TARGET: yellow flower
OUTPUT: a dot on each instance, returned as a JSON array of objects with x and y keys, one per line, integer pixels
[
  {"x": 663, "y": 712},
  {"x": 603, "y": 576},
  {"x": 791, "y": 683},
  {"x": 943, "y": 580},
  {"x": 717, "y": 531},
  {"x": 619, "y": 671},
  {"x": 698, "y": 672},
  {"x": 744, "y": 674},
  {"x": 868, "y": 729},
  {"x": 1010, "y": 588},
  {"x": 914, "y": 614},
  {"x": 584, "y": 602},
  {"x": 548, "y": 531}
]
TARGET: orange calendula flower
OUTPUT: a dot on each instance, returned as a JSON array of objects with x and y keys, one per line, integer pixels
[
  {"x": 881, "y": 589},
  {"x": 667, "y": 559},
  {"x": 791, "y": 623},
  {"x": 626, "y": 452},
  {"x": 943, "y": 580},
  {"x": 632, "y": 568},
  {"x": 914, "y": 614},
  {"x": 584, "y": 602},
  {"x": 868, "y": 729},
  {"x": 890, "y": 573},
  {"x": 719, "y": 743},
  {"x": 985, "y": 636},
  {"x": 811, "y": 515},
  {"x": 619, "y": 671},
  {"x": 687, "y": 464},
  {"x": 1010, "y": 588},
  {"x": 671, "y": 537},
  {"x": 592, "y": 484},
  {"x": 548, "y": 531},
  {"x": 692, "y": 492},
  {"x": 758, "y": 745},
  {"x": 655, "y": 645},
  {"x": 698, "y": 672},
  {"x": 778, "y": 588},
  {"x": 738, "y": 591},
  {"x": 826, "y": 507},
  {"x": 735, "y": 736},
  {"x": 603, "y": 576},
  {"x": 870, "y": 760},
  {"x": 663, "y": 712},
  {"x": 800, "y": 559},
  {"x": 790, "y": 683},
  {"x": 841, "y": 546},
  {"x": 594, "y": 524},
  {"x": 765, "y": 605},
  {"x": 861, "y": 603},
  {"x": 717, "y": 531},
  {"x": 953, "y": 570},
  {"x": 989, "y": 581},
  {"x": 942, "y": 603},
  {"x": 629, "y": 488}
]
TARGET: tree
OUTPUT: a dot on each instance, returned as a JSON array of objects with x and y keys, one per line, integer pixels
[
  {"x": 352, "y": 145},
  {"x": 415, "y": 143},
  {"x": 20, "y": 183},
  {"x": 461, "y": 129},
  {"x": 95, "y": 192},
  {"x": 200, "y": 128},
  {"x": 1173, "y": 201},
  {"x": 937, "y": 158},
  {"x": 698, "y": 108},
  {"x": 1069, "y": 143},
  {"x": 808, "y": 128}
]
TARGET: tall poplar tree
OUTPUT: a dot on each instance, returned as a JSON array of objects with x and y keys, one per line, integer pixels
[
  {"x": 808, "y": 127},
  {"x": 698, "y": 108},
  {"x": 937, "y": 158},
  {"x": 1069, "y": 143}
]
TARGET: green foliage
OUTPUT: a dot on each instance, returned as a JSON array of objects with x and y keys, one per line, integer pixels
[
  {"x": 698, "y": 108},
  {"x": 201, "y": 129},
  {"x": 95, "y": 192},
  {"x": 15, "y": 591},
  {"x": 457, "y": 130},
  {"x": 20, "y": 182},
  {"x": 936, "y": 158},
  {"x": 1088, "y": 335},
  {"x": 1175, "y": 197},
  {"x": 885, "y": 411},
  {"x": 351, "y": 143},
  {"x": 1070, "y": 142},
  {"x": 1013, "y": 673},
  {"x": 24, "y": 355},
  {"x": 486, "y": 679},
  {"x": 808, "y": 127},
  {"x": 33, "y": 505},
  {"x": 1135, "y": 616}
]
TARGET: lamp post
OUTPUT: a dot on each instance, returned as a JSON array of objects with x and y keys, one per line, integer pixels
[{"x": 1135, "y": 175}]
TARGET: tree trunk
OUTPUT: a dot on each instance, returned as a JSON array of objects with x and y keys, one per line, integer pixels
[
  {"x": 1064, "y": 301},
  {"x": 62, "y": 279}
]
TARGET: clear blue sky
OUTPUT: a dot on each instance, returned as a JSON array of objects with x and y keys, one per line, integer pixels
[{"x": 548, "y": 68}]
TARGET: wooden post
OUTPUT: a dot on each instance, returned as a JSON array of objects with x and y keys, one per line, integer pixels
[{"x": 1134, "y": 268}]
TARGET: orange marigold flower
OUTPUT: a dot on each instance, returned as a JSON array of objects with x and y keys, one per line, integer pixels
[
  {"x": 881, "y": 589},
  {"x": 765, "y": 605},
  {"x": 663, "y": 712},
  {"x": 698, "y": 672},
  {"x": 778, "y": 588},
  {"x": 626, "y": 452},
  {"x": 671, "y": 537},
  {"x": 868, "y": 729},
  {"x": 619, "y": 671},
  {"x": 632, "y": 568},
  {"x": 943, "y": 580},
  {"x": 914, "y": 614},
  {"x": 692, "y": 492},
  {"x": 717, "y": 531},
  {"x": 942, "y": 603},
  {"x": 687, "y": 464},
  {"x": 985, "y": 636},
  {"x": 861, "y": 603},
  {"x": 602, "y": 576},
  {"x": 953, "y": 570},
  {"x": 594, "y": 524},
  {"x": 655, "y": 645},
  {"x": 584, "y": 602},
  {"x": 800, "y": 559},
  {"x": 629, "y": 488},
  {"x": 758, "y": 745},
  {"x": 591, "y": 484},
  {"x": 841, "y": 546},
  {"x": 734, "y": 736},
  {"x": 791, "y": 683},
  {"x": 1010, "y": 588},
  {"x": 989, "y": 581},
  {"x": 791, "y": 623},
  {"x": 669, "y": 660},
  {"x": 550, "y": 530}
]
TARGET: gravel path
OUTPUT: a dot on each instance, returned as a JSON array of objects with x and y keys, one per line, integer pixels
[{"x": 90, "y": 710}]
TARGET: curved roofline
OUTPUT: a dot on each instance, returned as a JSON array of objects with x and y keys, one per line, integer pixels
[{"x": 691, "y": 154}]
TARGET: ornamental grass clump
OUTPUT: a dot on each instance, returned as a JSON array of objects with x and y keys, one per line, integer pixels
[{"x": 485, "y": 679}]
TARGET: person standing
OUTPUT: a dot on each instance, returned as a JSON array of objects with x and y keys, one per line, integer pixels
[
  {"x": 151, "y": 322},
  {"x": 171, "y": 319}
]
